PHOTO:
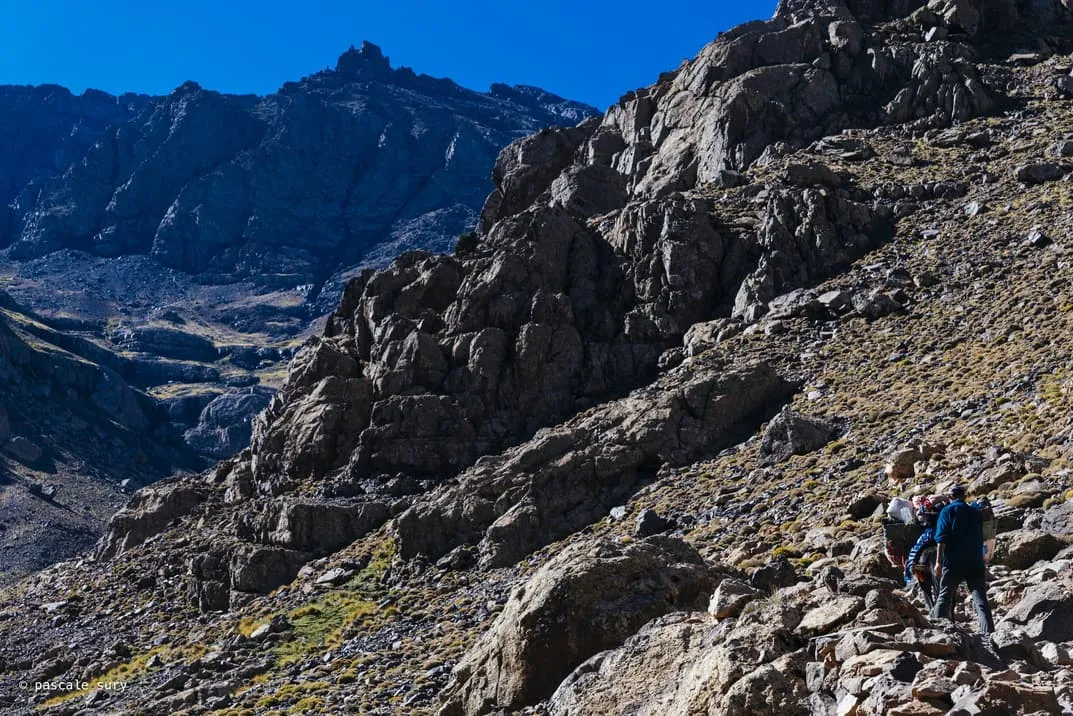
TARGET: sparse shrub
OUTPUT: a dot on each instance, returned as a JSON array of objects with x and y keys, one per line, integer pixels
[{"x": 785, "y": 550}]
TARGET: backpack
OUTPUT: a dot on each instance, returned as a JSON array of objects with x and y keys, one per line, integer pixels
[{"x": 899, "y": 539}]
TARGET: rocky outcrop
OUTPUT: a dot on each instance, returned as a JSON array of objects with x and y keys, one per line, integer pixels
[
  {"x": 584, "y": 601},
  {"x": 571, "y": 475},
  {"x": 316, "y": 527},
  {"x": 209, "y": 183},
  {"x": 547, "y": 315},
  {"x": 225, "y": 424},
  {"x": 166, "y": 343},
  {"x": 600, "y": 247},
  {"x": 43, "y": 130},
  {"x": 150, "y": 511}
]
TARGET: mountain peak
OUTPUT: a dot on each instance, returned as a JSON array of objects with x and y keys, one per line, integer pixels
[{"x": 368, "y": 62}]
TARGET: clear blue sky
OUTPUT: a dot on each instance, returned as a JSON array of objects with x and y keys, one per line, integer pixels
[{"x": 589, "y": 50}]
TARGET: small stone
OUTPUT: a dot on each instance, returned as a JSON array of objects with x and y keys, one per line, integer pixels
[
  {"x": 335, "y": 576},
  {"x": 975, "y": 208},
  {"x": 935, "y": 34},
  {"x": 261, "y": 632},
  {"x": 1037, "y": 239},
  {"x": 1063, "y": 148},
  {"x": 730, "y": 598},
  {"x": 925, "y": 279},
  {"x": 728, "y": 179},
  {"x": 1040, "y": 172}
]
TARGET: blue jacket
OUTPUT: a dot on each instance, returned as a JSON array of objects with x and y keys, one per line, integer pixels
[
  {"x": 922, "y": 543},
  {"x": 960, "y": 530}
]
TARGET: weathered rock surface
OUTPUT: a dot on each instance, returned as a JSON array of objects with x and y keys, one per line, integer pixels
[
  {"x": 1021, "y": 549},
  {"x": 582, "y": 602},
  {"x": 1043, "y": 612},
  {"x": 44, "y": 130},
  {"x": 147, "y": 514},
  {"x": 685, "y": 663},
  {"x": 317, "y": 527},
  {"x": 225, "y": 424},
  {"x": 564, "y": 478},
  {"x": 790, "y": 433}
]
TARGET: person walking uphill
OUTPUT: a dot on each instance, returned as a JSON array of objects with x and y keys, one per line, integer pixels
[{"x": 960, "y": 558}]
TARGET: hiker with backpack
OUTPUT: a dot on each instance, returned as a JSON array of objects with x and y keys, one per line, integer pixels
[
  {"x": 918, "y": 565},
  {"x": 960, "y": 558}
]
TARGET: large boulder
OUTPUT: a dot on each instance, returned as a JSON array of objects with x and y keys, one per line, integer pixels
[
  {"x": 149, "y": 512},
  {"x": 1021, "y": 549},
  {"x": 791, "y": 433},
  {"x": 687, "y": 663},
  {"x": 262, "y": 569},
  {"x": 1044, "y": 612},
  {"x": 589, "y": 598}
]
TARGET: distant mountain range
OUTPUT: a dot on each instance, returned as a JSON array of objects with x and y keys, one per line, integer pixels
[{"x": 347, "y": 166}]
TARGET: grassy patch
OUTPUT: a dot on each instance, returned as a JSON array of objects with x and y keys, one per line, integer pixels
[
  {"x": 289, "y": 693},
  {"x": 321, "y": 624},
  {"x": 131, "y": 670}
]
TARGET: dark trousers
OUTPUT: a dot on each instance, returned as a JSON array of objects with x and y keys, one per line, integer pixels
[{"x": 948, "y": 584}]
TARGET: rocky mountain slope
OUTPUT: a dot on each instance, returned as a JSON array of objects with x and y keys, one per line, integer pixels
[
  {"x": 45, "y": 129},
  {"x": 76, "y": 439},
  {"x": 622, "y": 452},
  {"x": 182, "y": 245}
]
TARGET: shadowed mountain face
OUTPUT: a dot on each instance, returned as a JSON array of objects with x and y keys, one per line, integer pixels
[
  {"x": 43, "y": 130},
  {"x": 349, "y": 165},
  {"x": 664, "y": 373}
]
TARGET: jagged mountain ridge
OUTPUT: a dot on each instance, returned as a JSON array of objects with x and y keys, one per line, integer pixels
[
  {"x": 299, "y": 184},
  {"x": 577, "y": 288}
]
